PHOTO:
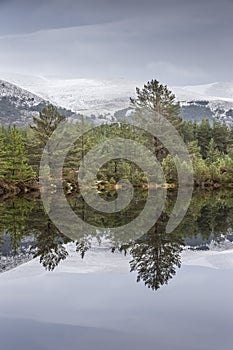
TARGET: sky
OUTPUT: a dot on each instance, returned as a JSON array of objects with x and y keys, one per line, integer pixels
[{"x": 178, "y": 42}]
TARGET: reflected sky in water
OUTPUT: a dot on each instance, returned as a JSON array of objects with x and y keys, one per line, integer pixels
[
  {"x": 26, "y": 232},
  {"x": 111, "y": 311},
  {"x": 82, "y": 295}
]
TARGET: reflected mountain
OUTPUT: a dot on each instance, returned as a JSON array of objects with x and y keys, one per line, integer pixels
[{"x": 27, "y": 232}]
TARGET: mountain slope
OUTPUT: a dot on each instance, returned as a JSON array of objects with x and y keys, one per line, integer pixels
[
  {"x": 84, "y": 96},
  {"x": 104, "y": 98},
  {"x": 18, "y": 106},
  {"x": 206, "y": 101}
]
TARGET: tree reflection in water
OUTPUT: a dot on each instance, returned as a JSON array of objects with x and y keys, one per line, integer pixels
[{"x": 155, "y": 256}]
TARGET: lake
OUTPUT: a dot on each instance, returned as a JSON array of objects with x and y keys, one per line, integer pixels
[{"x": 110, "y": 291}]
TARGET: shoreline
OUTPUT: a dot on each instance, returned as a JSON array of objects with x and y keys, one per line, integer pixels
[{"x": 21, "y": 187}]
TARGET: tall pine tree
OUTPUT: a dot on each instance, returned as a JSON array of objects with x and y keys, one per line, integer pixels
[
  {"x": 43, "y": 127},
  {"x": 16, "y": 167},
  {"x": 158, "y": 99}
]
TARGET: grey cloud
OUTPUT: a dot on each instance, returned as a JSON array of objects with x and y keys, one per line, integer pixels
[{"x": 180, "y": 42}]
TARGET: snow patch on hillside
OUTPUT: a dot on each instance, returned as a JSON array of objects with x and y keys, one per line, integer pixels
[
  {"x": 18, "y": 96},
  {"x": 85, "y": 96},
  {"x": 105, "y": 97}
]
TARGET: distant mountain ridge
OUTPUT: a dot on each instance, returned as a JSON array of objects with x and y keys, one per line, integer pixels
[
  {"x": 206, "y": 101},
  {"x": 86, "y": 96},
  {"x": 107, "y": 98},
  {"x": 18, "y": 106}
]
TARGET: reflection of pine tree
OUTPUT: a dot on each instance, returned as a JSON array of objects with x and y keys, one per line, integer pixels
[
  {"x": 49, "y": 242},
  {"x": 14, "y": 213},
  {"x": 50, "y": 246},
  {"x": 206, "y": 211},
  {"x": 83, "y": 246},
  {"x": 156, "y": 257}
]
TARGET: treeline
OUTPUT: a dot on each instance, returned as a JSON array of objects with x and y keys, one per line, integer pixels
[
  {"x": 14, "y": 163},
  {"x": 210, "y": 145},
  {"x": 211, "y": 149}
]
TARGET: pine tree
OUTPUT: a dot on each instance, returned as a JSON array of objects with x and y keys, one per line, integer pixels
[
  {"x": 213, "y": 154},
  {"x": 46, "y": 123},
  {"x": 230, "y": 151},
  {"x": 213, "y": 161},
  {"x": 169, "y": 168},
  {"x": 204, "y": 134},
  {"x": 199, "y": 166},
  {"x": 3, "y": 153},
  {"x": 157, "y": 98},
  {"x": 189, "y": 131},
  {"x": 220, "y": 135},
  {"x": 43, "y": 127},
  {"x": 17, "y": 167}
]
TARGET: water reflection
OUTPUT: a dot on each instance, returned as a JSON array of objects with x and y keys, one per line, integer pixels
[
  {"x": 26, "y": 230},
  {"x": 156, "y": 255}
]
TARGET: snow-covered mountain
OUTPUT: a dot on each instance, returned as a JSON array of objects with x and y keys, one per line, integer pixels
[
  {"x": 206, "y": 101},
  {"x": 18, "y": 106},
  {"x": 86, "y": 96},
  {"x": 104, "y": 98}
]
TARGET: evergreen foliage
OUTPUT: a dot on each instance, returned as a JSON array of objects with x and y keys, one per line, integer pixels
[
  {"x": 13, "y": 160},
  {"x": 158, "y": 100},
  {"x": 210, "y": 145}
]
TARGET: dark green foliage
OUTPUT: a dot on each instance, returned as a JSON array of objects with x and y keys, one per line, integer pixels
[
  {"x": 13, "y": 160},
  {"x": 158, "y": 99},
  {"x": 46, "y": 123},
  {"x": 220, "y": 135},
  {"x": 204, "y": 135},
  {"x": 210, "y": 146},
  {"x": 155, "y": 256},
  {"x": 43, "y": 127}
]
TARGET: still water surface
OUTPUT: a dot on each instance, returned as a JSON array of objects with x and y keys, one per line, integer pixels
[{"x": 49, "y": 304}]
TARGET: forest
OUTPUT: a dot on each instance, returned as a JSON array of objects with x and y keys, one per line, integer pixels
[{"x": 210, "y": 146}]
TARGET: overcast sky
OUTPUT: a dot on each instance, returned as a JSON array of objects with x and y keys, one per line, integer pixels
[{"x": 178, "y": 42}]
